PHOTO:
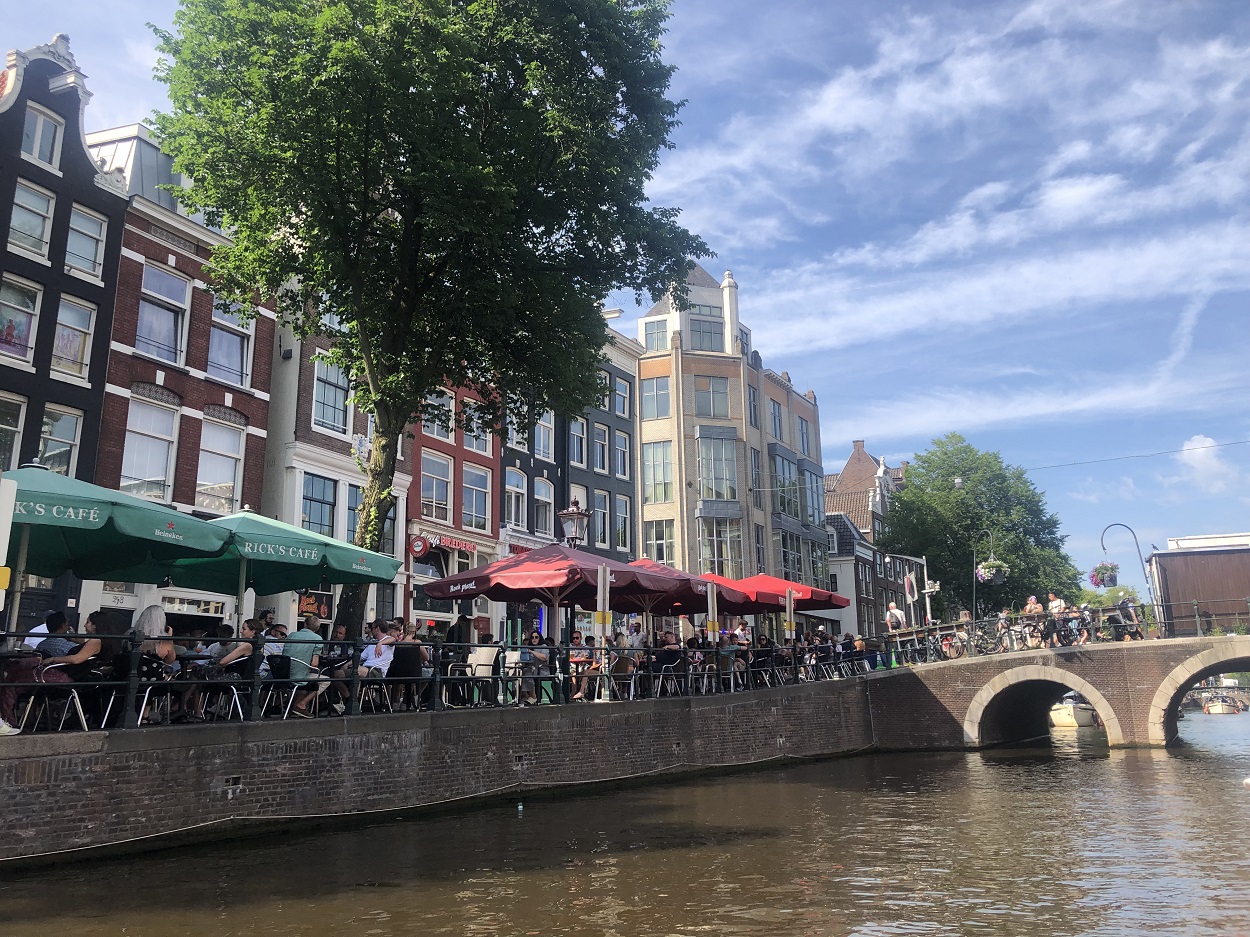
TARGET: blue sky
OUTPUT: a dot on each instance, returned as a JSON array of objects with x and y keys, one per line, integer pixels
[{"x": 1023, "y": 221}]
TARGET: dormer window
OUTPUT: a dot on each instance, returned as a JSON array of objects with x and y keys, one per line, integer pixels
[{"x": 41, "y": 137}]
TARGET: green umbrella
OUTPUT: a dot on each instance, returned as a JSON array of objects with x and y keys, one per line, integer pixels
[{"x": 71, "y": 525}]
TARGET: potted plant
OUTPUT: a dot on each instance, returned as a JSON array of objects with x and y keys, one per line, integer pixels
[
  {"x": 993, "y": 571},
  {"x": 1105, "y": 575}
]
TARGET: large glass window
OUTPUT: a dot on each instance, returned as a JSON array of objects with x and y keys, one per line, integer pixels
[
  {"x": 544, "y": 507},
  {"x": 805, "y": 436},
  {"x": 19, "y": 314},
  {"x": 147, "y": 460},
  {"x": 813, "y": 497},
  {"x": 657, "y": 542},
  {"x": 657, "y": 472},
  {"x": 545, "y": 436},
  {"x": 228, "y": 341},
  {"x": 788, "y": 549},
  {"x": 330, "y": 397},
  {"x": 601, "y": 520},
  {"x": 655, "y": 334},
  {"x": 624, "y": 521},
  {"x": 475, "y": 512},
  {"x": 818, "y": 564},
  {"x": 785, "y": 487},
  {"x": 41, "y": 136},
  {"x": 84, "y": 249},
  {"x": 753, "y": 406},
  {"x": 12, "y": 413},
  {"x": 475, "y": 436},
  {"x": 779, "y": 421},
  {"x": 720, "y": 546},
  {"x": 620, "y": 454},
  {"x": 757, "y": 478},
  {"x": 435, "y": 487},
  {"x": 72, "y": 343},
  {"x": 601, "y": 449},
  {"x": 706, "y": 335},
  {"x": 437, "y": 416},
  {"x": 620, "y": 397},
  {"x": 577, "y": 441},
  {"x": 317, "y": 510},
  {"x": 58, "y": 440},
  {"x": 162, "y": 314},
  {"x": 221, "y": 465},
  {"x": 761, "y": 551},
  {"x": 30, "y": 226},
  {"x": 515, "y": 485},
  {"x": 711, "y": 397},
  {"x": 355, "y": 494},
  {"x": 655, "y": 398},
  {"x": 384, "y": 601},
  {"x": 718, "y": 469}
]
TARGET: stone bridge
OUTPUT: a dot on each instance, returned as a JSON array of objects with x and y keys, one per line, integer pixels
[{"x": 975, "y": 702}]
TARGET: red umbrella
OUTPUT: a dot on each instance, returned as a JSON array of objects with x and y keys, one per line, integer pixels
[
  {"x": 690, "y": 594},
  {"x": 806, "y": 598},
  {"x": 554, "y": 575},
  {"x": 765, "y": 600}
]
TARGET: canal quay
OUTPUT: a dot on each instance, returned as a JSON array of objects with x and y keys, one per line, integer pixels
[{"x": 1067, "y": 838}]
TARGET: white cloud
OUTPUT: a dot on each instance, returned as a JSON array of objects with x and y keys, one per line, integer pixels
[{"x": 1205, "y": 467}]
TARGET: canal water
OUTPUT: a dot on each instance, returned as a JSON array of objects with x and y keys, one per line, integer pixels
[{"x": 1068, "y": 839}]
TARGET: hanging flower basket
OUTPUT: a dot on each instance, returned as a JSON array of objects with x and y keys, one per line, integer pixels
[
  {"x": 992, "y": 571},
  {"x": 1105, "y": 575}
]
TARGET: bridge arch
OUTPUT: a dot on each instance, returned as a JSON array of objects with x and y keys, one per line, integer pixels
[
  {"x": 1229, "y": 654},
  {"x": 1034, "y": 688}
]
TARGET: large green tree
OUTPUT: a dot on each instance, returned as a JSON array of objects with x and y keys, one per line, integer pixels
[
  {"x": 457, "y": 185},
  {"x": 955, "y": 492}
]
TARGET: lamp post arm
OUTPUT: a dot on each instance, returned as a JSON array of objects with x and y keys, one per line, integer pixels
[{"x": 1102, "y": 541}]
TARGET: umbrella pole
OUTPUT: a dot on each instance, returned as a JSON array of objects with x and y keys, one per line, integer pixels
[
  {"x": 238, "y": 597},
  {"x": 13, "y": 620}
]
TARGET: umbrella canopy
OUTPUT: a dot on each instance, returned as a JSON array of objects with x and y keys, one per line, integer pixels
[
  {"x": 806, "y": 598},
  {"x": 761, "y": 600},
  {"x": 67, "y": 524},
  {"x": 691, "y": 596},
  {"x": 553, "y": 575}
]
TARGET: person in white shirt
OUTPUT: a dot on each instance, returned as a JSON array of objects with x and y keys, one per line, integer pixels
[{"x": 41, "y": 632}]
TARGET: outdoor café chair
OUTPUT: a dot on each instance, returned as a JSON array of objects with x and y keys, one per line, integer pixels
[
  {"x": 480, "y": 670},
  {"x": 42, "y": 698}
]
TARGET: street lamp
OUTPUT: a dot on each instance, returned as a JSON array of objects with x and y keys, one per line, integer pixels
[
  {"x": 1102, "y": 541},
  {"x": 573, "y": 522},
  {"x": 972, "y": 624}
]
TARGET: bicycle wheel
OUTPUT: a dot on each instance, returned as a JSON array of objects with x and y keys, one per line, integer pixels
[
  {"x": 952, "y": 647},
  {"x": 1030, "y": 637}
]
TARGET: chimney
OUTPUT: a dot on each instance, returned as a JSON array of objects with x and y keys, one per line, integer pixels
[{"x": 857, "y": 445}]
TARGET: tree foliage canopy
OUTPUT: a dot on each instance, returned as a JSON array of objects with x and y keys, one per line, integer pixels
[{"x": 932, "y": 517}]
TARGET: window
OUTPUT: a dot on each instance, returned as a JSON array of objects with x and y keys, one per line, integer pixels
[
  {"x": 544, "y": 436},
  {"x": 41, "y": 137},
  {"x": 148, "y": 455},
  {"x": 700, "y": 309},
  {"x": 577, "y": 441},
  {"x": 833, "y": 581},
  {"x": 711, "y": 397},
  {"x": 812, "y": 495},
  {"x": 12, "y": 413},
  {"x": 544, "y": 507},
  {"x": 517, "y": 439},
  {"x": 475, "y": 437},
  {"x": 779, "y": 423},
  {"x": 753, "y": 406},
  {"x": 435, "y": 487},
  {"x": 761, "y": 552},
  {"x": 30, "y": 227},
  {"x": 624, "y": 515},
  {"x": 162, "y": 312},
  {"x": 620, "y": 450},
  {"x": 655, "y": 335},
  {"x": 706, "y": 336},
  {"x": 785, "y": 487},
  {"x": 437, "y": 416},
  {"x": 818, "y": 564},
  {"x": 720, "y": 546},
  {"x": 330, "y": 397},
  {"x": 757, "y": 481},
  {"x": 601, "y": 518},
  {"x": 718, "y": 470},
  {"x": 605, "y": 381},
  {"x": 601, "y": 449},
  {"x": 805, "y": 436},
  {"x": 221, "y": 462},
  {"x": 744, "y": 342},
  {"x": 620, "y": 398},
  {"x": 655, "y": 398},
  {"x": 355, "y": 494},
  {"x": 228, "y": 342},
  {"x": 657, "y": 472},
  {"x": 84, "y": 250},
  {"x": 514, "y": 500},
  {"x": 320, "y": 497},
  {"x": 474, "y": 512},
  {"x": 19, "y": 313},
  {"x": 789, "y": 550},
  {"x": 384, "y": 601},
  {"x": 578, "y": 494},
  {"x": 657, "y": 542},
  {"x": 72, "y": 343}
]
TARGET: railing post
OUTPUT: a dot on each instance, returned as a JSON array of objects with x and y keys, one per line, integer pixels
[
  {"x": 130, "y": 719},
  {"x": 564, "y": 659},
  {"x": 653, "y": 689},
  {"x": 353, "y": 687},
  {"x": 253, "y": 695},
  {"x": 685, "y": 667},
  {"x": 1197, "y": 620},
  {"x": 794, "y": 659},
  {"x": 436, "y": 689}
]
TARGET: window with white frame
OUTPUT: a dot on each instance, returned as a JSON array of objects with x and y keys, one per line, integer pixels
[
  {"x": 601, "y": 449},
  {"x": 19, "y": 316},
  {"x": 386, "y": 542},
  {"x": 437, "y": 416},
  {"x": 475, "y": 436},
  {"x": 657, "y": 542},
  {"x": 785, "y": 487},
  {"x": 779, "y": 420},
  {"x": 330, "y": 393},
  {"x": 605, "y": 381},
  {"x": 757, "y": 477},
  {"x": 147, "y": 459},
  {"x": 545, "y": 436},
  {"x": 657, "y": 472},
  {"x": 805, "y": 436},
  {"x": 355, "y": 494},
  {"x": 30, "y": 226},
  {"x": 706, "y": 335},
  {"x": 788, "y": 552},
  {"x": 702, "y": 309},
  {"x": 623, "y": 521},
  {"x": 517, "y": 439},
  {"x": 384, "y": 601},
  {"x": 221, "y": 467},
  {"x": 711, "y": 396},
  {"x": 544, "y": 507},
  {"x": 577, "y": 441},
  {"x": 655, "y": 398},
  {"x": 720, "y": 546},
  {"x": 744, "y": 342},
  {"x": 12, "y": 414},
  {"x": 162, "y": 314},
  {"x": 84, "y": 249},
  {"x": 318, "y": 507},
  {"x": 579, "y": 494},
  {"x": 753, "y": 406},
  {"x": 718, "y": 469},
  {"x": 620, "y": 454},
  {"x": 41, "y": 136},
  {"x": 515, "y": 485},
  {"x": 435, "y": 486},
  {"x": 475, "y": 510},
  {"x": 620, "y": 397},
  {"x": 761, "y": 551},
  {"x": 72, "y": 344},
  {"x": 58, "y": 439},
  {"x": 655, "y": 334},
  {"x": 601, "y": 519},
  {"x": 229, "y": 339}
]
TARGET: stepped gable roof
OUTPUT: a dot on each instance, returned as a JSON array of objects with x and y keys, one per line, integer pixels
[
  {"x": 860, "y": 471},
  {"x": 857, "y": 505}
]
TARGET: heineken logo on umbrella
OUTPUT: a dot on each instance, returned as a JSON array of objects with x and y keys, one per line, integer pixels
[
  {"x": 362, "y": 565},
  {"x": 168, "y": 533}
]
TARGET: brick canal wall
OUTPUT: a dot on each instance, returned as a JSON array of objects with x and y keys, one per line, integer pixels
[{"x": 76, "y": 791}]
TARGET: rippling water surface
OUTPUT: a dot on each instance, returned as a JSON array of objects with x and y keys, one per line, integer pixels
[{"x": 1072, "y": 839}]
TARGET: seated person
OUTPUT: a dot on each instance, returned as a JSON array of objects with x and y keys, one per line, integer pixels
[
  {"x": 304, "y": 650},
  {"x": 236, "y": 654},
  {"x": 581, "y": 662},
  {"x": 1032, "y": 606},
  {"x": 375, "y": 660}
]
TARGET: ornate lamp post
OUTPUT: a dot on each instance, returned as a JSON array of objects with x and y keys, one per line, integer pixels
[
  {"x": 573, "y": 520},
  {"x": 1102, "y": 541},
  {"x": 972, "y": 624}
]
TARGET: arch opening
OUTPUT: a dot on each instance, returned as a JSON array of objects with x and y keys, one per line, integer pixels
[
  {"x": 1014, "y": 707},
  {"x": 1226, "y": 658}
]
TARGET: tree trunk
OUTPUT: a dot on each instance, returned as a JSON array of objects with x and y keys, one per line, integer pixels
[{"x": 376, "y": 501}]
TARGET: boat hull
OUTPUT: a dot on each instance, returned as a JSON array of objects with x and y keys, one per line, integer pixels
[
  {"x": 1072, "y": 716},
  {"x": 1222, "y": 709}
]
